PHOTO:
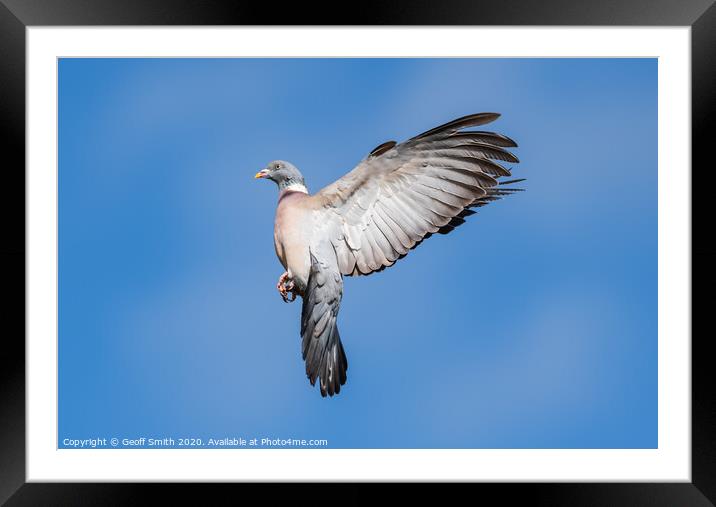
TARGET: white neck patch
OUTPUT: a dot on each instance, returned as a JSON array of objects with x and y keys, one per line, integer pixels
[{"x": 296, "y": 187}]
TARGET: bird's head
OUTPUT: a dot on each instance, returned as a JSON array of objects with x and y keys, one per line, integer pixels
[{"x": 284, "y": 174}]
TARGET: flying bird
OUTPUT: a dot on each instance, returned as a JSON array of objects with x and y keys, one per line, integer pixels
[{"x": 394, "y": 199}]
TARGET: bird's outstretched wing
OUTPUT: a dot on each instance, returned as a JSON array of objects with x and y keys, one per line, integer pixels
[
  {"x": 321, "y": 343},
  {"x": 403, "y": 193}
]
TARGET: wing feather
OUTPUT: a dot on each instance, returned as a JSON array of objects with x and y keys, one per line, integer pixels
[
  {"x": 398, "y": 232},
  {"x": 403, "y": 193}
]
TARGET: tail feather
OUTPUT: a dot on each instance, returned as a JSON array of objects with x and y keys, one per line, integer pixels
[{"x": 321, "y": 342}]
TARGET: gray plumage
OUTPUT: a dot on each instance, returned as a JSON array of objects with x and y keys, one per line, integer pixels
[
  {"x": 398, "y": 196},
  {"x": 321, "y": 344}
]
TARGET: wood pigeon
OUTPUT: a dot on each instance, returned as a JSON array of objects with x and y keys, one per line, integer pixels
[{"x": 394, "y": 199}]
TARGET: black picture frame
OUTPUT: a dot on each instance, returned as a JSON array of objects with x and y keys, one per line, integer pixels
[{"x": 16, "y": 15}]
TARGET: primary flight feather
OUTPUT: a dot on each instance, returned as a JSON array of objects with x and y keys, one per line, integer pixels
[{"x": 397, "y": 197}]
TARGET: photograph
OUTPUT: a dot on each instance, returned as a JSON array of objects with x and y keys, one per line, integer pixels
[
  {"x": 357, "y": 253},
  {"x": 447, "y": 245}
]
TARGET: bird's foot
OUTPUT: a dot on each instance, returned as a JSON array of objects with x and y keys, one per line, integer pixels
[{"x": 285, "y": 287}]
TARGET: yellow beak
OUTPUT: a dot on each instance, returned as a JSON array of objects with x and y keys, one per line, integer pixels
[{"x": 261, "y": 174}]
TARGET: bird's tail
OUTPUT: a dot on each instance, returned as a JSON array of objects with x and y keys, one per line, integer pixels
[{"x": 321, "y": 343}]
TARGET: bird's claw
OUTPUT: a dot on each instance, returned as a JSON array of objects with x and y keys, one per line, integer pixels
[
  {"x": 285, "y": 287},
  {"x": 287, "y": 293}
]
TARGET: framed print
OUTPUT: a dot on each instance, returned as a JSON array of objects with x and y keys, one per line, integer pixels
[{"x": 520, "y": 195}]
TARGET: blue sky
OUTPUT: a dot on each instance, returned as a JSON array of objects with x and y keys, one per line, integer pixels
[{"x": 532, "y": 326}]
